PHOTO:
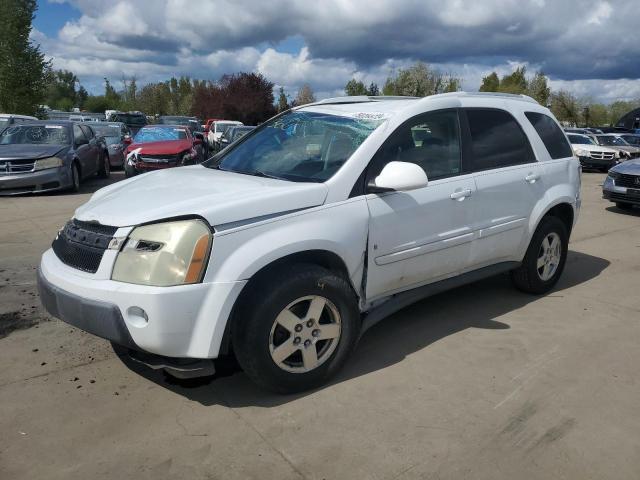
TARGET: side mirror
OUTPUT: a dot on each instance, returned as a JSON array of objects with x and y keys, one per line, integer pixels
[
  {"x": 81, "y": 141},
  {"x": 127, "y": 139},
  {"x": 399, "y": 177}
]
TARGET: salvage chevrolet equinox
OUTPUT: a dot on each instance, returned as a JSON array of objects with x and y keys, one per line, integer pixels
[{"x": 289, "y": 244}]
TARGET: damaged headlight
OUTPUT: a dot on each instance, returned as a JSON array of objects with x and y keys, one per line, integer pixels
[{"x": 164, "y": 254}]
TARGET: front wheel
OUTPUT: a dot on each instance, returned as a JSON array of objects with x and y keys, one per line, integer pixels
[
  {"x": 75, "y": 178},
  {"x": 545, "y": 258},
  {"x": 296, "y": 330}
]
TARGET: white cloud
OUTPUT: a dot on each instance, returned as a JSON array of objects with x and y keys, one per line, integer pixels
[{"x": 153, "y": 39}]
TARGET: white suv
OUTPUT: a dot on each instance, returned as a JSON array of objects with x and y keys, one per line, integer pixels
[{"x": 284, "y": 248}]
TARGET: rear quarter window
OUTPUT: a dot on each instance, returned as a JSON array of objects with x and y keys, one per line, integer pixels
[
  {"x": 497, "y": 139},
  {"x": 550, "y": 134}
]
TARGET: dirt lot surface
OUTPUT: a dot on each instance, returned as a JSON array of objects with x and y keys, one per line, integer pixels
[{"x": 481, "y": 382}]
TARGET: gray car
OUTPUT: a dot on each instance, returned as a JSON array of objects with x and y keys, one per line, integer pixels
[
  {"x": 45, "y": 156},
  {"x": 622, "y": 185},
  {"x": 117, "y": 136}
]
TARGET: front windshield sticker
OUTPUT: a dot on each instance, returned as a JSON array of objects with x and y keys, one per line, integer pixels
[{"x": 369, "y": 115}]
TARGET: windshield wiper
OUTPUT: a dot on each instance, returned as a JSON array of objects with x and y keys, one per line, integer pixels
[{"x": 260, "y": 173}]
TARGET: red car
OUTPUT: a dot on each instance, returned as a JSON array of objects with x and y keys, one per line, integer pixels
[{"x": 161, "y": 146}]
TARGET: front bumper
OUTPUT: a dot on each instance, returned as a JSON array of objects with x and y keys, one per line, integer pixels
[
  {"x": 186, "y": 321},
  {"x": 614, "y": 193},
  {"x": 40, "y": 181},
  {"x": 598, "y": 163}
]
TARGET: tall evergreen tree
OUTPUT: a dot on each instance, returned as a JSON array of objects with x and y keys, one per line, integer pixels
[
  {"x": 23, "y": 68},
  {"x": 283, "y": 103}
]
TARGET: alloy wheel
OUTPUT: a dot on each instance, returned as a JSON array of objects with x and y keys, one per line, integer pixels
[
  {"x": 549, "y": 256},
  {"x": 305, "y": 334}
]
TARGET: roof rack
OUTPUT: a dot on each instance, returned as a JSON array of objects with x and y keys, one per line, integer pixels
[
  {"x": 361, "y": 99},
  {"x": 512, "y": 96}
]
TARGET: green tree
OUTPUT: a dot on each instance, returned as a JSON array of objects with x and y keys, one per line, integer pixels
[
  {"x": 355, "y": 87},
  {"x": 566, "y": 107},
  {"x": 97, "y": 103},
  {"x": 61, "y": 90},
  {"x": 516, "y": 82},
  {"x": 619, "y": 108},
  {"x": 111, "y": 96},
  {"x": 23, "y": 68},
  {"x": 81, "y": 97},
  {"x": 373, "y": 89},
  {"x": 420, "y": 80},
  {"x": 490, "y": 83},
  {"x": 538, "y": 89},
  {"x": 283, "y": 103}
]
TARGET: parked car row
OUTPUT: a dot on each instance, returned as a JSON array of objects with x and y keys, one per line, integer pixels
[
  {"x": 42, "y": 156},
  {"x": 605, "y": 150}
]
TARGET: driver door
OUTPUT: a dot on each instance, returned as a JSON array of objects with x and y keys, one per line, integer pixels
[{"x": 424, "y": 235}]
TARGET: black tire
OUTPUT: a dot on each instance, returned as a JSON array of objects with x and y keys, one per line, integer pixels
[
  {"x": 624, "y": 206},
  {"x": 129, "y": 171},
  {"x": 526, "y": 277},
  {"x": 105, "y": 169},
  {"x": 254, "y": 320},
  {"x": 75, "y": 178}
]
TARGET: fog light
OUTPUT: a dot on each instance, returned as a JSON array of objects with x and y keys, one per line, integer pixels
[{"x": 137, "y": 316}]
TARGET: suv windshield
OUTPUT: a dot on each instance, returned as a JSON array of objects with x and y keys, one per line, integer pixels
[
  {"x": 36, "y": 135},
  {"x": 606, "y": 140},
  {"x": 580, "y": 140},
  {"x": 300, "y": 146},
  {"x": 132, "y": 119},
  {"x": 106, "y": 130},
  {"x": 159, "y": 134}
]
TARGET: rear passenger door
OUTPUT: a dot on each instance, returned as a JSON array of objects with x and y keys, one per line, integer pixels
[
  {"x": 509, "y": 183},
  {"x": 83, "y": 150},
  {"x": 424, "y": 235},
  {"x": 95, "y": 148}
]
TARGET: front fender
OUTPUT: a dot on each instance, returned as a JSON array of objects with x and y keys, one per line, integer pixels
[{"x": 340, "y": 228}]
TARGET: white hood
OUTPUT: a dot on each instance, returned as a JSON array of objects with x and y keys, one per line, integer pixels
[
  {"x": 220, "y": 197},
  {"x": 593, "y": 148}
]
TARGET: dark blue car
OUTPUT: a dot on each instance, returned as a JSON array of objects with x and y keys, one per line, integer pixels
[{"x": 45, "y": 156}]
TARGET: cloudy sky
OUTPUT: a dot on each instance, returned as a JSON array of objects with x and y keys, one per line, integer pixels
[{"x": 589, "y": 47}]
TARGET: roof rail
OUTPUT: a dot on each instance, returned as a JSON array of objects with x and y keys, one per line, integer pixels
[
  {"x": 512, "y": 96},
  {"x": 361, "y": 99}
]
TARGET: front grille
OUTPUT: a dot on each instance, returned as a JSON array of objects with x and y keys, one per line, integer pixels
[
  {"x": 602, "y": 155},
  {"x": 82, "y": 244},
  {"x": 160, "y": 158},
  {"x": 16, "y": 166},
  {"x": 628, "y": 181}
]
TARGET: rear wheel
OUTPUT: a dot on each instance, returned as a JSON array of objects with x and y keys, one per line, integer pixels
[
  {"x": 298, "y": 330},
  {"x": 105, "y": 169},
  {"x": 75, "y": 178},
  {"x": 545, "y": 258}
]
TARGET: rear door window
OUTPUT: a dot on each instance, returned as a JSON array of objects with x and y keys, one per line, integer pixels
[
  {"x": 550, "y": 134},
  {"x": 497, "y": 140}
]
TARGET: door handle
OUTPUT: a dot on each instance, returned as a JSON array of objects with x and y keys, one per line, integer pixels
[
  {"x": 532, "y": 178},
  {"x": 460, "y": 195}
]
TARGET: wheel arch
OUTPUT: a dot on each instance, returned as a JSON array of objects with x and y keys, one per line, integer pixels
[{"x": 319, "y": 257}]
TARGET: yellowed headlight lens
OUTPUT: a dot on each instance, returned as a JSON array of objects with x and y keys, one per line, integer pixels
[{"x": 164, "y": 254}]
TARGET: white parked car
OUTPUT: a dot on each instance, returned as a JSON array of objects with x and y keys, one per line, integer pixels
[
  {"x": 322, "y": 221},
  {"x": 217, "y": 129},
  {"x": 592, "y": 155}
]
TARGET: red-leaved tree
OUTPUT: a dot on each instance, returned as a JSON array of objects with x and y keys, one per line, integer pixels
[{"x": 247, "y": 97}]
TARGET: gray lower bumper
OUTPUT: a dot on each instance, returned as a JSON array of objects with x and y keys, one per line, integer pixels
[
  {"x": 41, "y": 181},
  {"x": 105, "y": 320},
  {"x": 99, "y": 318}
]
